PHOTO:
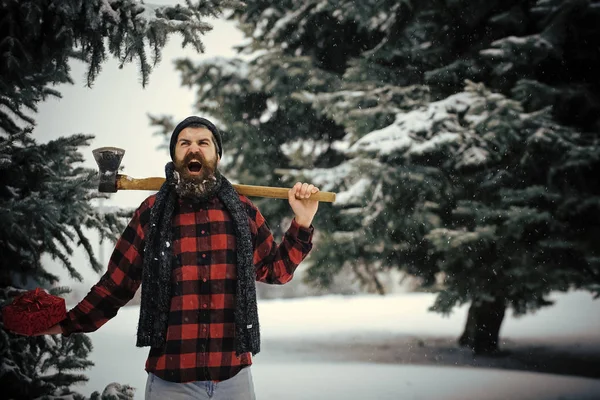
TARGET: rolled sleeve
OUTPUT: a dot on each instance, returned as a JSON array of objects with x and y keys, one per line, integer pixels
[{"x": 301, "y": 233}]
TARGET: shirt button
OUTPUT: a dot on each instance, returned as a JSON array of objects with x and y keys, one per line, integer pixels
[
  {"x": 203, "y": 255},
  {"x": 204, "y": 305},
  {"x": 203, "y": 232},
  {"x": 203, "y": 279}
]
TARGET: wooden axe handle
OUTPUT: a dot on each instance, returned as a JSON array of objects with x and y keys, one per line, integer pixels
[{"x": 125, "y": 182}]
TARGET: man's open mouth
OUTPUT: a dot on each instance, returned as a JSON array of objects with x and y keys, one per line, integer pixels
[{"x": 194, "y": 166}]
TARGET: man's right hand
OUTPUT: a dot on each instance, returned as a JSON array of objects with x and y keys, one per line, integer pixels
[{"x": 54, "y": 330}]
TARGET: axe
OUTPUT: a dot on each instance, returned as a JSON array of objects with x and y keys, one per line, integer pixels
[{"x": 109, "y": 160}]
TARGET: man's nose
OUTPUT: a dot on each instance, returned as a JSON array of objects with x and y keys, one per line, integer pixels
[{"x": 194, "y": 148}]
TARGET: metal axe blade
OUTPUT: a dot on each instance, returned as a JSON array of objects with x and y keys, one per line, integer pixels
[{"x": 108, "y": 160}]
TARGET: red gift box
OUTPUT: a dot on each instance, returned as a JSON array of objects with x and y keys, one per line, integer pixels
[{"x": 33, "y": 312}]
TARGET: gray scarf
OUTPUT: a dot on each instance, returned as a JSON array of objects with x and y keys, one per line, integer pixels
[{"x": 157, "y": 267}]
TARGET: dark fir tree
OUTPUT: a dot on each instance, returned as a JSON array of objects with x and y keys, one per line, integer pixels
[
  {"x": 46, "y": 197},
  {"x": 461, "y": 136}
]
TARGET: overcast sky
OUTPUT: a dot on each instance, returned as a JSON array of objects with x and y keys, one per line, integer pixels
[{"x": 115, "y": 112}]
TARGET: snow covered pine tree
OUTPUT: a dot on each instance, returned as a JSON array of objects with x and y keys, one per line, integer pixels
[{"x": 46, "y": 196}]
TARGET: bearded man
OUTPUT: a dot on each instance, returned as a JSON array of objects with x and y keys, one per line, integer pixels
[{"x": 197, "y": 248}]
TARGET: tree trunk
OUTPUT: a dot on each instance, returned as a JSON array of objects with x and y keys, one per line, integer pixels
[{"x": 482, "y": 330}]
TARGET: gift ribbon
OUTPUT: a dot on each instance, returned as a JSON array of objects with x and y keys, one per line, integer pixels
[{"x": 33, "y": 299}]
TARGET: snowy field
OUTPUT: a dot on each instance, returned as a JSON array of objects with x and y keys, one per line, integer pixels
[{"x": 281, "y": 371}]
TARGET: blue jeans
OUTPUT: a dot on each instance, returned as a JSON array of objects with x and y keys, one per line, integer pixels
[{"x": 239, "y": 387}]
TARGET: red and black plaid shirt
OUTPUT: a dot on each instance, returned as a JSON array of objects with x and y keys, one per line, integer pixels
[{"x": 200, "y": 338}]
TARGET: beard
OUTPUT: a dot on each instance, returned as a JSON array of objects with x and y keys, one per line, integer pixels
[{"x": 201, "y": 187}]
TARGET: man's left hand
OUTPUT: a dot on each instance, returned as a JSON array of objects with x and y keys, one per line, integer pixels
[{"x": 304, "y": 208}]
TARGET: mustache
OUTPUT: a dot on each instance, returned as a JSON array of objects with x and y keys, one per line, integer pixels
[{"x": 194, "y": 156}]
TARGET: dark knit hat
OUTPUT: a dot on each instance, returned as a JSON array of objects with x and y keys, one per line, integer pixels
[{"x": 195, "y": 121}]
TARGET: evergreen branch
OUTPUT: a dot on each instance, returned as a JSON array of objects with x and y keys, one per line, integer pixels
[{"x": 83, "y": 240}]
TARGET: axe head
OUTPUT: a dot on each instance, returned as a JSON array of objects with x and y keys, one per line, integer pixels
[{"x": 108, "y": 160}]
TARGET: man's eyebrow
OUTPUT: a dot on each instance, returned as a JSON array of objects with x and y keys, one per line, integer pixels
[{"x": 190, "y": 140}]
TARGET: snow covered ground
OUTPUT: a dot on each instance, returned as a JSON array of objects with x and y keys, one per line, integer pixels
[{"x": 295, "y": 375}]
